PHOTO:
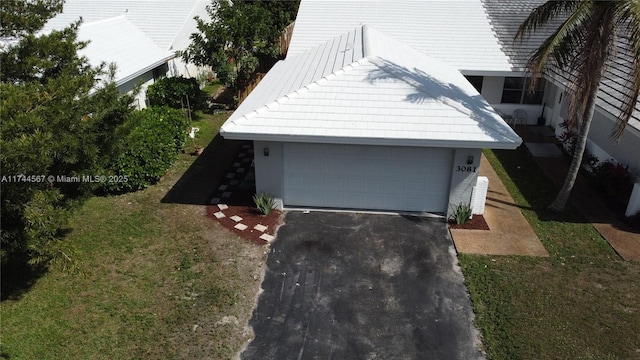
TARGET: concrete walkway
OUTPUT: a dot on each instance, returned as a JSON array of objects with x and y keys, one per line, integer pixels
[{"x": 509, "y": 234}]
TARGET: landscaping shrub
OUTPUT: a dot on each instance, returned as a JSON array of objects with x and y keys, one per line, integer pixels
[
  {"x": 173, "y": 92},
  {"x": 149, "y": 142},
  {"x": 264, "y": 202},
  {"x": 462, "y": 213},
  {"x": 614, "y": 180}
]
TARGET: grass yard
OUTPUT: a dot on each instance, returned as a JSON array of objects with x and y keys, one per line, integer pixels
[
  {"x": 156, "y": 281},
  {"x": 583, "y": 302}
]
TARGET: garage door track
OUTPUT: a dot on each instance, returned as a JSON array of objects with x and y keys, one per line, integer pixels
[{"x": 362, "y": 286}]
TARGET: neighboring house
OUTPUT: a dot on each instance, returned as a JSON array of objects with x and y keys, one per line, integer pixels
[
  {"x": 328, "y": 133},
  {"x": 505, "y": 17},
  {"x": 140, "y": 37}
]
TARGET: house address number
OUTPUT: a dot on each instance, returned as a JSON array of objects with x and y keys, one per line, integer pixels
[{"x": 460, "y": 168}]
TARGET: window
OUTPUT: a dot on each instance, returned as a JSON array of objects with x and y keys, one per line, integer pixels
[
  {"x": 476, "y": 81},
  {"x": 516, "y": 91}
]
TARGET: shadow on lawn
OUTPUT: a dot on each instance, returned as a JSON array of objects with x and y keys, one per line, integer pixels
[
  {"x": 198, "y": 184},
  {"x": 536, "y": 188},
  {"x": 18, "y": 278}
]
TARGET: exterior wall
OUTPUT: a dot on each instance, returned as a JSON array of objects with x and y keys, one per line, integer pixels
[
  {"x": 269, "y": 169},
  {"x": 598, "y": 142},
  {"x": 492, "y": 92},
  {"x": 144, "y": 81},
  {"x": 463, "y": 177},
  {"x": 492, "y": 89},
  {"x": 625, "y": 151}
]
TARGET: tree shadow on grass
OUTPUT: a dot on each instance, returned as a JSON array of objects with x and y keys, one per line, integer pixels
[
  {"x": 18, "y": 277},
  {"x": 536, "y": 188},
  {"x": 200, "y": 182}
]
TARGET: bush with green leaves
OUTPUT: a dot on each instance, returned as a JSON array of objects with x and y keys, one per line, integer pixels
[
  {"x": 264, "y": 202},
  {"x": 461, "y": 213},
  {"x": 149, "y": 142},
  {"x": 174, "y": 92}
]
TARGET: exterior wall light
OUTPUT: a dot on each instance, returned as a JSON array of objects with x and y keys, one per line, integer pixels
[
  {"x": 470, "y": 160},
  {"x": 265, "y": 151}
]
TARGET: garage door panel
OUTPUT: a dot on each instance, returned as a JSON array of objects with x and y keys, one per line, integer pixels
[{"x": 367, "y": 177}]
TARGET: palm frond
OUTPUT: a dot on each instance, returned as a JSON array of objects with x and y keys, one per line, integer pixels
[
  {"x": 562, "y": 44},
  {"x": 543, "y": 15}
]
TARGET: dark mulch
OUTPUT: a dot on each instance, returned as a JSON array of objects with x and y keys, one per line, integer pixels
[{"x": 477, "y": 222}]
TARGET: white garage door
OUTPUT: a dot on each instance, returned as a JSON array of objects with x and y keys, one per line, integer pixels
[{"x": 367, "y": 177}]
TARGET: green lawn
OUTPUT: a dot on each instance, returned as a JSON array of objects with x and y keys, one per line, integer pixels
[
  {"x": 583, "y": 302},
  {"x": 156, "y": 281}
]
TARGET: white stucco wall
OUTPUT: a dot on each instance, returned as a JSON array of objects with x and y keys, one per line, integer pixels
[
  {"x": 463, "y": 177},
  {"x": 492, "y": 92},
  {"x": 625, "y": 151},
  {"x": 144, "y": 81},
  {"x": 492, "y": 89},
  {"x": 269, "y": 169}
]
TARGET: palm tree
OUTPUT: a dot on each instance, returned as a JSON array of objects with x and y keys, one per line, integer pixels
[{"x": 582, "y": 47}]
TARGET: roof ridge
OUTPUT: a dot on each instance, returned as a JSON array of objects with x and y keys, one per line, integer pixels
[{"x": 299, "y": 92}]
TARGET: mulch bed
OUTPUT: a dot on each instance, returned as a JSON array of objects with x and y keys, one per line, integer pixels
[
  {"x": 239, "y": 191},
  {"x": 250, "y": 217},
  {"x": 477, "y": 222}
]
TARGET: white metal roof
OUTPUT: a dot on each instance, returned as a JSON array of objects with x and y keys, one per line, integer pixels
[
  {"x": 457, "y": 32},
  {"x": 363, "y": 87},
  {"x": 118, "y": 41},
  {"x": 168, "y": 23}
]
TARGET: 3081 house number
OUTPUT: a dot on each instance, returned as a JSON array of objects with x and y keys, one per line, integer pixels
[{"x": 465, "y": 168}]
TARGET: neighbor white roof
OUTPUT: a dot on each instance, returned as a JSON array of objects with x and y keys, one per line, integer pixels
[
  {"x": 457, "y": 32},
  {"x": 363, "y": 87},
  {"x": 118, "y": 41},
  {"x": 163, "y": 21}
]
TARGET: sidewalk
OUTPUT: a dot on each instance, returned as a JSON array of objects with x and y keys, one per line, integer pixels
[{"x": 509, "y": 234}]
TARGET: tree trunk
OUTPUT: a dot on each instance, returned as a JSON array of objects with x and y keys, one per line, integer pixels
[{"x": 560, "y": 201}]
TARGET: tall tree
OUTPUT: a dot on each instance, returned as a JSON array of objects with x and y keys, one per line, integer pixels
[
  {"x": 57, "y": 119},
  {"x": 583, "y": 46},
  {"x": 238, "y": 37}
]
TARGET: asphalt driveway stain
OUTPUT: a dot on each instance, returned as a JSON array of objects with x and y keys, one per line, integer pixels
[{"x": 362, "y": 286}]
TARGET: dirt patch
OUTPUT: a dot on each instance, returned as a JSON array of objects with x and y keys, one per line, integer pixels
[{"x": 477, "y": 222}]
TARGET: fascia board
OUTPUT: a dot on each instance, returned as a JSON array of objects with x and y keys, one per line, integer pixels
[
  {"x": 372, "y": 141},
  {"x": 143, "y": 70}
]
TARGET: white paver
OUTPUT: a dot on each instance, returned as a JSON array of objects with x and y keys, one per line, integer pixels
[
  {"x": 223, "y": 207},
  {"x": 236, "y": 218},
  {"x": 230, "y": 175},
  {"x": 246, "y": 160},
  {"x": 219, "y": 215},
  {"x": 240, "y": 170},
  {"x": 241, "y": 226},
  {"x": 223, "y": 187},
  {"x": 267, "y": 237},
  {"x": 236, "y": 164},
  {"x": 260, "y": 227},
  {"x": 226, "y": 194},
  {"x": 242, "y": 155},
  {"x": 214, "y": 201},
  {"x": 246, "y": 146}
]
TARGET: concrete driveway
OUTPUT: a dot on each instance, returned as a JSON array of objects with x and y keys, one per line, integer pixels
[{"x": 361, "y": 286}]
